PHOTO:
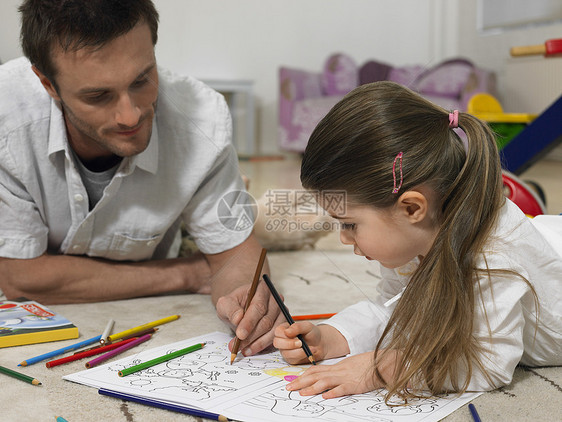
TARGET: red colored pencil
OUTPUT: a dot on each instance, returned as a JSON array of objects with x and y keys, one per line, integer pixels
[{"x": 86, "y": 353}]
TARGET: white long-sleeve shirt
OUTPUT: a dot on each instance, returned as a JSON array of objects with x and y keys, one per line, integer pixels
[{"x": 531, "y": 248}]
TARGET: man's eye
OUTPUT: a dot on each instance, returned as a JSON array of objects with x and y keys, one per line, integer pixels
[
  {"x": 96, "y": 98},
  {"x": 140, "y": 82},
  {"x": 348, "y": 226}
]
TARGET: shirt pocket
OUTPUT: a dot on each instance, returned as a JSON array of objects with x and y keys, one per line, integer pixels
[{"x": 138, "y": 247}]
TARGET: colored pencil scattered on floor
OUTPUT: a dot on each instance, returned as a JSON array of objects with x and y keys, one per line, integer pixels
[
  {"x": 117, "y": 351},
  {"x": 156, "y": 361},
  {"x": 61, "y": 351},
  {"x": 87, "y": 353},
  {"x": 19, "y": 376},
  {"x": 142, "y": 333},
  {"x": 141, "y": 328},
  {"x": 134, "y": 335},
  {"x": 107, "y": 331},
  {"x": 474, "y": 413},
  {"x": 162, "y": 405}
]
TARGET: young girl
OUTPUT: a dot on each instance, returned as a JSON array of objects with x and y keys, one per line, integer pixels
[{"x": 470, "y": 286}]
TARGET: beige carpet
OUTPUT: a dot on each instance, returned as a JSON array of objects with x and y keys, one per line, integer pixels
[{"x": 311, "y": 281}]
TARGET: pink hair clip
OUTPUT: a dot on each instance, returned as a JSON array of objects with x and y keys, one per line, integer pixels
[
  {"x": 398, "y": 157},
  {"x": 454, "y": 119}
]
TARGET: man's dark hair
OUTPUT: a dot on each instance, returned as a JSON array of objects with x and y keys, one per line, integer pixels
[{"x": 74, "y": 24}]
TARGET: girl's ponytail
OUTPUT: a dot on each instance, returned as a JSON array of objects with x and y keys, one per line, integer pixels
[{"x": 433, "y": 322}]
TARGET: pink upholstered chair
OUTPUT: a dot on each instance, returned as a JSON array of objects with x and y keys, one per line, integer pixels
[{"x": 305, "y": 97}]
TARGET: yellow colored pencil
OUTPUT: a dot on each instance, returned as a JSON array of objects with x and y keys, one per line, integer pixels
[{"x": 140, "y": 328}]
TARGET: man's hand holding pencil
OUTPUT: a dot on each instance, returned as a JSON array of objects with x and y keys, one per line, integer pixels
[{"x": 250, "y": 309}]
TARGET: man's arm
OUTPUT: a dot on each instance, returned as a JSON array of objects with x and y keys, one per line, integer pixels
[{"x": 52, "y": 279}]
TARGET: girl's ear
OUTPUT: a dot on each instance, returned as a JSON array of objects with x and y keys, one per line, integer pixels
[
  {"x": 47, "y": 84},
  {"x": 413, "y": 206}
]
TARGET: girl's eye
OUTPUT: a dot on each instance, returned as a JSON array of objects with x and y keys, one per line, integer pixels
[{"x": 348, "y": 226}]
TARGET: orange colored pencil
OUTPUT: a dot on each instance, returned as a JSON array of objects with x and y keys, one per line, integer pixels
[{"x": 313, "y": 316}]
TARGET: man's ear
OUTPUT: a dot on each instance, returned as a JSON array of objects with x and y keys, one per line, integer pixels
[
  {"x": 47, "y": 84},
  {"x": 413, "y": 205}
]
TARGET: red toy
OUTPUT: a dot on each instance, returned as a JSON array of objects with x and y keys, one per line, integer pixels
[
  {"x": 549, "y": 48},
  {"x": 522, "y": 195}
]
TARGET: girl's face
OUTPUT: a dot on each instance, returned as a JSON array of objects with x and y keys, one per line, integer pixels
[{"x": 391, "y": 236}]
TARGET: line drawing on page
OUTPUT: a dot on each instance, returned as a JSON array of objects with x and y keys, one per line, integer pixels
[{"x": 252, "y": 389}]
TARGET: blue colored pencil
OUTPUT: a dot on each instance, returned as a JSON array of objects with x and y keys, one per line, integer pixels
[
  {"x": 474, "y": 413},
  {"x": 162, "y": 405},
  {"x": 58, "y": 352}
]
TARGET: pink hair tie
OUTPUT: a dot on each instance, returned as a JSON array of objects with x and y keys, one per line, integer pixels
[
  {"x": 398, "y": 157},
  {"x": 454, "y": 119}
]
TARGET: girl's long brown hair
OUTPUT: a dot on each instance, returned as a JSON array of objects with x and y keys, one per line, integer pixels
[{"x": 353, "y": 149}]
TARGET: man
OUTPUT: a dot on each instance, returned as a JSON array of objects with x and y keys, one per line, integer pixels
[{"x": 103, "y": 155}]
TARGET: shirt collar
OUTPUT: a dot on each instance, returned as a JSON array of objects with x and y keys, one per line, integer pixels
[
  {"x": 57, "y": 130},
  {"x": 148, "y": 159},
  {"x": 58, "y": 141}
]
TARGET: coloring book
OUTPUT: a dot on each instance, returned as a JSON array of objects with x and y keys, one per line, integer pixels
[{"x": 251, "y": 389}]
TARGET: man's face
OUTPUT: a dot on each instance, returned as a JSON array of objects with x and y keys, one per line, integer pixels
[{"x": 109, "y": 95}]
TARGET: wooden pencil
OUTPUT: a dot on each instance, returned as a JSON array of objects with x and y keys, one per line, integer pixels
[
  {"x": 87, "y": 353},
  {"x": 19, "y": 376},
  {"x": 313, "y": 316},
  {"x": 117, "y": 351},
  {"x": 107, "y": 331},
  {"x": 160, "y": 359},
  {"x": 61, "y": 351},
  {"x": 164, "y": 405},
  {"x": 140, "y": 328},
  {"x": 251, "y": 294},
  {"x": 288, "y": 316}
]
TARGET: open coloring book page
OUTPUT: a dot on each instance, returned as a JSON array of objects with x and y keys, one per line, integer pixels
[{"x": 251, "y": 389}]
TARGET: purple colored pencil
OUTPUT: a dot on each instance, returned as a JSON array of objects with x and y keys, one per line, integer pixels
[{"x": 117, "y": 351}]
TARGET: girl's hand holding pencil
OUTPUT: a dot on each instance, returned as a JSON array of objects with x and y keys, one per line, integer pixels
[
  {"x": 324, "y": 341},
  {"x": 290, "y": 345}
]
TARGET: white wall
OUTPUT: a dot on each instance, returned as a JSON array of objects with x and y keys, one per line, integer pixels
[
  {"x": 9, "y": 30},
  {"x": 491, "y": 50},
  {"x": 250, "y": 39}
]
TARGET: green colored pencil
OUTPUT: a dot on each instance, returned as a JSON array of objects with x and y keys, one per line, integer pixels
[
  {"x": 19, "y": 376},
  {"x": 156, "y": 361}
]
